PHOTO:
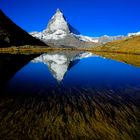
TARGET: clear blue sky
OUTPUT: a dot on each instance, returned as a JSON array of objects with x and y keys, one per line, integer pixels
[{"x": 90, "y": 17}]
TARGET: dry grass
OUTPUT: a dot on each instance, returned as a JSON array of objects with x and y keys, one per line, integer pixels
[
  {"x": 30, "y": 49},
  {"x": 27, "y": 49},
  {"x": 129, "y": 45}
]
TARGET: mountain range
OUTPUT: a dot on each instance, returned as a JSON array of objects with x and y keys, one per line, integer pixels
[{"x": 60, "y": 33}]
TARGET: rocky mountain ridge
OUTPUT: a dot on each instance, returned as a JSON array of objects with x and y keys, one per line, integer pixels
[{"x": 60, "y": 33}]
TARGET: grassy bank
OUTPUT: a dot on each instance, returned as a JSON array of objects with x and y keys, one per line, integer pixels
[
  {"x": 30, "y": 49},
  {"x": 129, "y": 45}
]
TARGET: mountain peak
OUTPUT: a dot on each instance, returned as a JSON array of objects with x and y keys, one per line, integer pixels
[
  {"x": 58, "y": 10},
  {"x": 59, "y": 13},
  {"x": 57, "y": 24}
]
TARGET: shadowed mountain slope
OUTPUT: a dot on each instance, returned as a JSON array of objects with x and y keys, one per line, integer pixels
[{"x": 13, "y": 35}]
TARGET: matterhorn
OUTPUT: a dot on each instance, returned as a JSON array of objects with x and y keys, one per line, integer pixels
[
  {"x": 59, "y": 63},
  {"x": 60, "y": 33}
]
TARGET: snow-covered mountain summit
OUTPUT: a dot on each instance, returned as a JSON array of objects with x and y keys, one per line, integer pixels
[
  {"x": 60, "y": 33},
  {"x": 57, "y": 24},
  {"x": 58, "y": 28}
]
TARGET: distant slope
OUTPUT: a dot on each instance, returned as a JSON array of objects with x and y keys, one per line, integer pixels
[
  {"x": 13, "y": 35},
  {"x": 128, "y": 45}
]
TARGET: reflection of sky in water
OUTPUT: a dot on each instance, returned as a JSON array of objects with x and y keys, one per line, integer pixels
[
  {"x": 96, "y": 71},
  {"x": 89, "y": 72},
  {"x": 33, "y": 76}
]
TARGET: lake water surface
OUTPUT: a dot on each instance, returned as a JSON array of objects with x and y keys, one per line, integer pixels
[
  {"x": 74, "y": 70},
  {"x": 69, "y": 95}
]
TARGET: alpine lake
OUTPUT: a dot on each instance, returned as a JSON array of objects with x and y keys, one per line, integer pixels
[{"x": 70, "y": 95}]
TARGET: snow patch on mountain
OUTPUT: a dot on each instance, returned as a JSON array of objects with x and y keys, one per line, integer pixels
[
  {"x": 134, "y": 34},
  {"x": 37, "y": 35},
  {"x": 59, "y": 34},
  {"x": 86, "y": 38}
]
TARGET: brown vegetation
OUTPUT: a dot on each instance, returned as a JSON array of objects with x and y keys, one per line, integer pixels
[
  {"x": 30, "y": 49},
  {"x": 128, "y": 45}
]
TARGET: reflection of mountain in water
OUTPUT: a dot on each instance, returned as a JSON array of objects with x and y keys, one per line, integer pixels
[{"x": 59, "y": 63}]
